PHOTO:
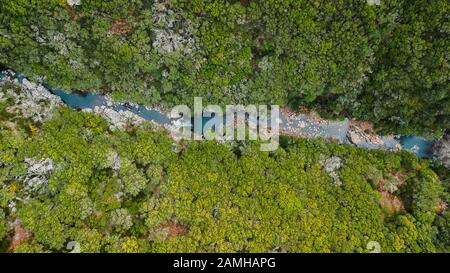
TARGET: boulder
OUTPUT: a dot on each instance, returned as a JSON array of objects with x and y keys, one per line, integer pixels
[{"x": 357, "y": 135}]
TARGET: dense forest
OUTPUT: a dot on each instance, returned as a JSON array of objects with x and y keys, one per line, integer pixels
[
  {"x": 384, "y": 63},
  {"x": 71, "y": 183}
]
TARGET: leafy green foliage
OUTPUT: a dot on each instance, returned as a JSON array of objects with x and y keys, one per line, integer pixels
[
  {"x": 128, "y": 191},
  {"x": 385, "y": 63}
]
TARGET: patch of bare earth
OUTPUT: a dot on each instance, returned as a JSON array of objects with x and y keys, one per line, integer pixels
[
  {"x": 400, "y": 177},
  {"x": 21, "y": 235},
  {"x": 174, "y": 229},
  {"x": 310, "y": 114},
  {"x": 391, "y": 202},
  {"x": 121, "y": 27}
]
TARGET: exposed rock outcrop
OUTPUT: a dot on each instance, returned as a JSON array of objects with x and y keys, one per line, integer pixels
[
  {"x": 74, "y": 2},
  {"x": 362, "y": 134},
  {"x": 33, "y": 100},
  {"x": 38, "y": 173},
  {"x": 39, "y": 166},
  {"x": 358, "y": 134},
  {"x": 441, "y": 150},
  {"x": 121, "y": 27},
  {"x": 173, "y": 33}
]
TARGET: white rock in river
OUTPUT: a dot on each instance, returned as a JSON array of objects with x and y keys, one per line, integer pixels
[{"x": 33, "y": 100}]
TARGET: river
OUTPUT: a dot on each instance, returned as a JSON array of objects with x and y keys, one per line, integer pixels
[{"x": 299, "y": 124}]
